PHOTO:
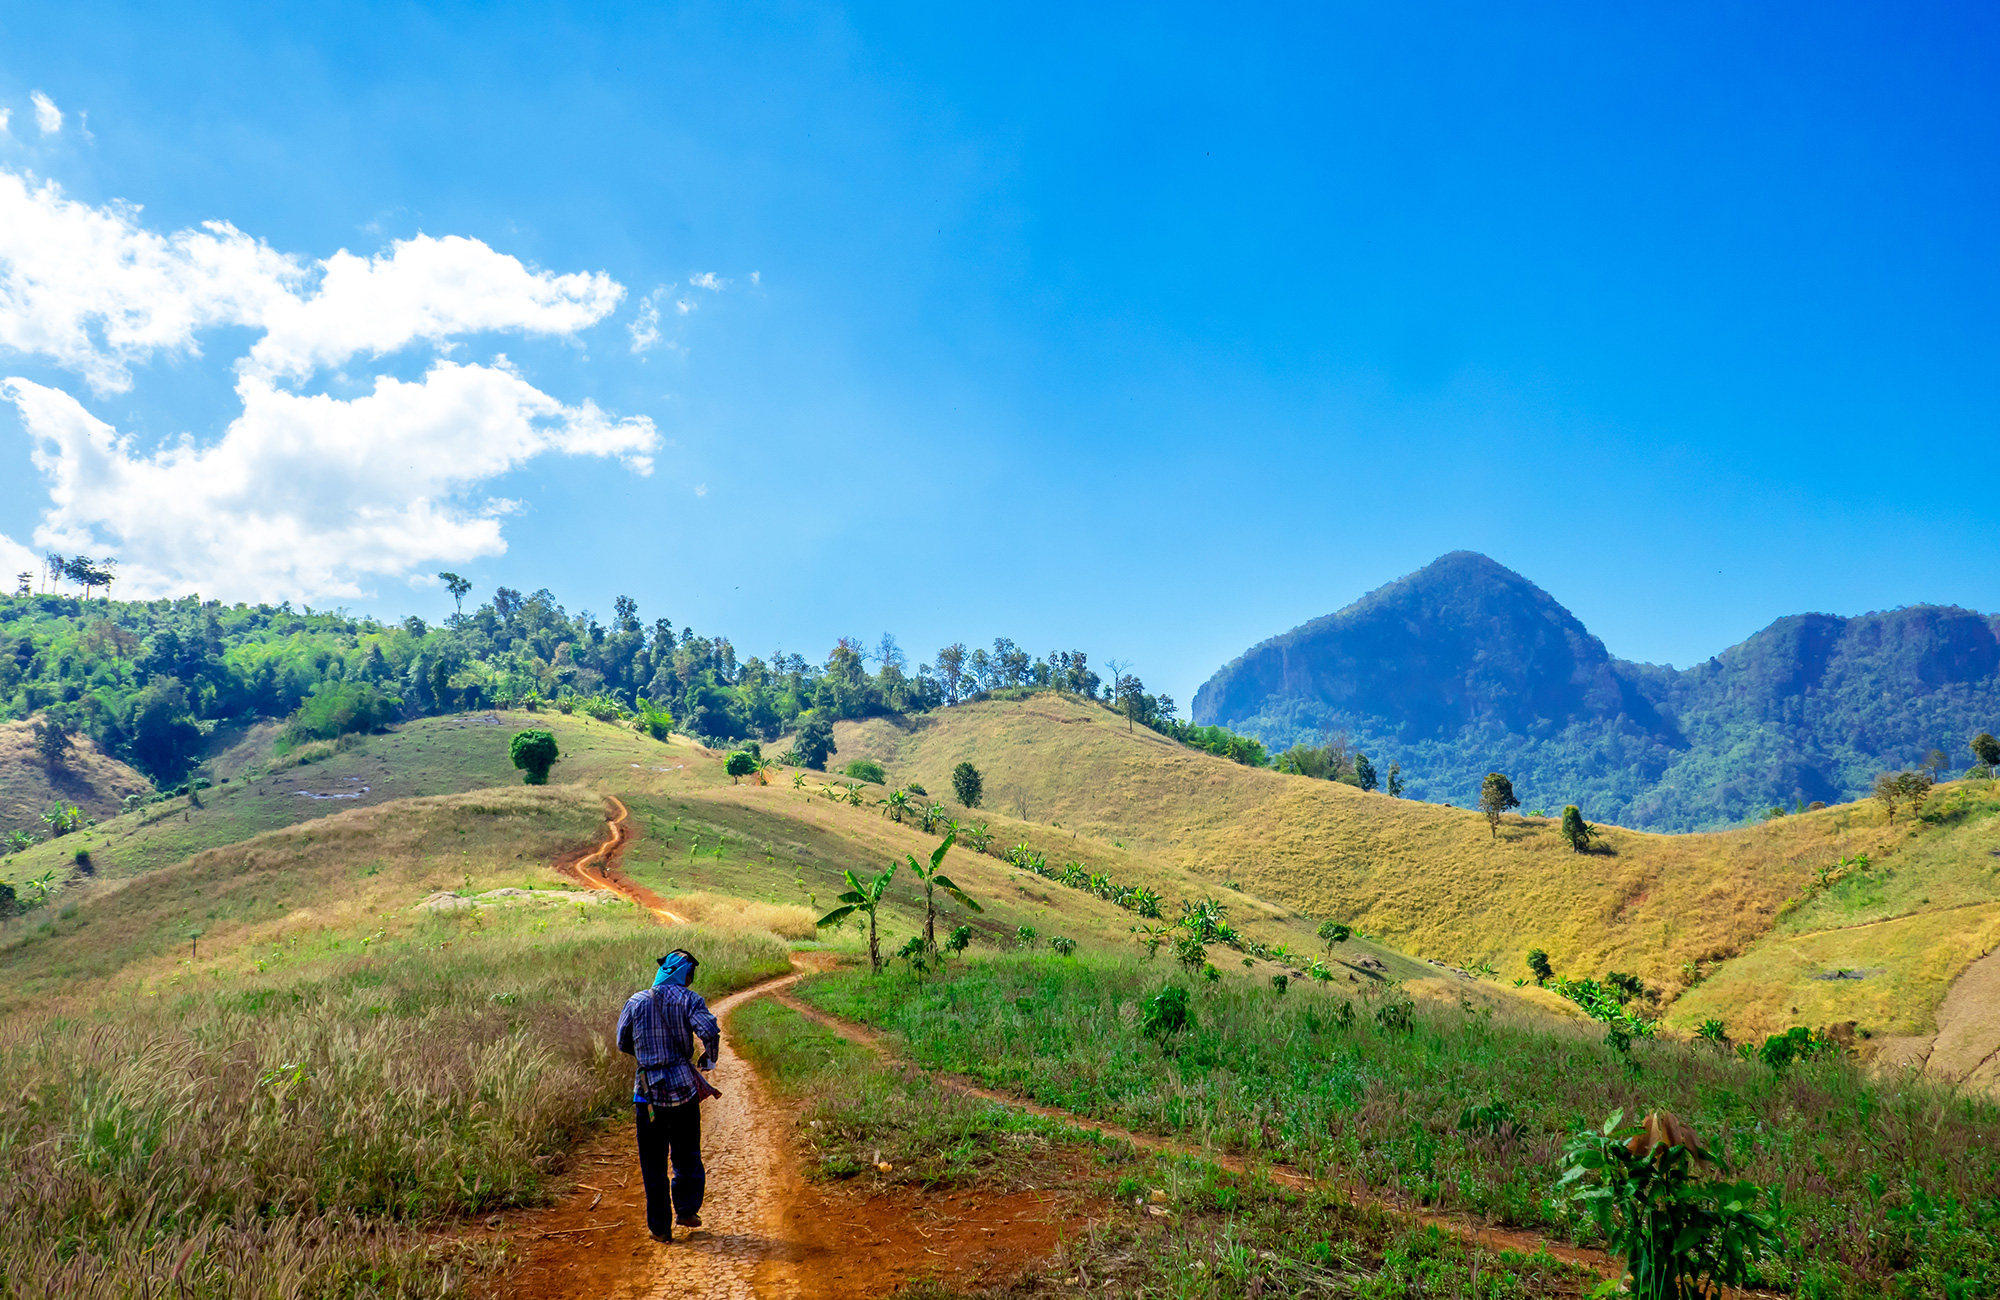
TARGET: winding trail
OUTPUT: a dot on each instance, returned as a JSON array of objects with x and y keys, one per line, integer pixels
[{"x": 750, "y": 1244}]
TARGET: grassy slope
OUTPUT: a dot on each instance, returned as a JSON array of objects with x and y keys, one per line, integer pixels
[
  {"x": 93, "y": 781},
  {"x": 430, "y": 756},
  {"x": 1434, "y": 882}
]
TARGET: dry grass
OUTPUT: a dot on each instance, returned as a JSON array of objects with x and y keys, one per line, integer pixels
[
  {"x": 786, "y": 920},
  {"x": 277, "y": 1117},
  {"x": 93, "y": 781},
  {"x": 1428, "y": 878}
]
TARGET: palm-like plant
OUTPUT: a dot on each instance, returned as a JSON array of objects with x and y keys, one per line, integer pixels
[
  {"x": 932, "y": 816},
  {"x": 896, "y": 805},
  {"x": 932, "y": 878},
  {"x": 863, "y": 898}
]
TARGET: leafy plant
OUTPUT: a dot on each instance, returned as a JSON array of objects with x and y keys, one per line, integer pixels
[
  {"x": 1064, "y": 947},
  {"x": 1333, "y": 932},
  {"x": 1796, "y": 1044},
  {"x": 1494, "y": 1119},
  {"x": 933, "y": 817},
  {"x": 1166, "y": 1013},
  {"x": 931, "y": 876},
  {"x": 739, "y": 766},
  {"x": 958, "y": 940},
  {"x": 1397, "y": 1017},
  {"x": 1281, "y": 982},
  {"x": 1025, "y": 937},
  {"x": 1190, "y": 952},
  {"x": 1681, "y": 1235},
  {"x": 915, "y": 954},
  {"x": 1713, "y": 1031},
  {"x": 862, "y": 898},
  {"x": 62, "y": 818},
  {"x": 895, "y": 804}
]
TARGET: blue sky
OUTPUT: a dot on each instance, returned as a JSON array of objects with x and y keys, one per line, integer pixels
[{"x": 1150, "y": 331}]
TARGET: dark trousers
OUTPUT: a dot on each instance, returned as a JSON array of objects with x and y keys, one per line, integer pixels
[{"x": 670, "y": 1133}]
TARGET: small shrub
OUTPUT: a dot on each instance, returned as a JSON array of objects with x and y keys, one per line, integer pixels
[
  {"x": 1166, "y": 1013},
  {"x": 1680, "y": 1235},
  {"x": 1396, "y": 1017},
  {"x": 1796, "y": 1044},
  {"x": 1333, "y": 932},
  {"x": 1025, "y": 937},
  {"x": 1281, "y": 982},
  {"x": 914, "y": 788},
  {"x": 1064, "y": 947},
  {"x": 1712, "y": 1031},
  {"x": 1494, "y": 1119},
  {"x": 739, "y": 765},
  {"x": 867, "y": 769},
  {"x": 1538, "y": 966}
]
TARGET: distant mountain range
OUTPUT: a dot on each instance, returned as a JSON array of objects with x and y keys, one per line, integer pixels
[{"x": 1466, "y": 667}]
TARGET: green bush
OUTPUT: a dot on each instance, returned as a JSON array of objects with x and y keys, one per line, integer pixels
[
  {"x": 867, "y": 769},
  {"x": 1166, "y": 1013},
  {"x": 1680, "y": 1235},
  {"x": 336, "y": 708},
  {"x": 739, "y": 765},
  {"x": 967, "y": 784}
]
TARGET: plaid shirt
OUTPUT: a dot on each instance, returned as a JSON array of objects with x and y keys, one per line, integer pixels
[{"x": 658, "y": 1035}]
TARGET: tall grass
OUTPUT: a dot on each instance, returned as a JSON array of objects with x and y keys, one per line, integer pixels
[
  {"x": 1885, "y": 1183},
  {"x": 287, "y": 1135}
]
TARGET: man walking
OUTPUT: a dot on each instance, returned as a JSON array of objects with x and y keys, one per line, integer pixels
[{"x": 657, "y": 1028}]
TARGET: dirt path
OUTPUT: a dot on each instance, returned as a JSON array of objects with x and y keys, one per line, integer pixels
[{"x": 765, "y": 1232}]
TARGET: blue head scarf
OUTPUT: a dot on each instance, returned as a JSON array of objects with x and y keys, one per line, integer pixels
[{"x": 677, "y": 967}]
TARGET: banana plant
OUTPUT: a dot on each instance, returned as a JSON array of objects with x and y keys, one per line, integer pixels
[
  {"x": 932, "y": 816},
  {"x": 895, "y": 805},
  {"x": 863, "y": 898},
  {"x": 932, "y": 878}
]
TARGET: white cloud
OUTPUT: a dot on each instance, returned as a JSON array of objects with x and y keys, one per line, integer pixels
[
  {"x": 6, "y": 116},
  {"x": 424, "y": 289},
  {"x": 93, "y": 291},
  {"x": 708, "y": 280},
  {"x": 646, "y": 327},
  {"x": 305, "y": 495},
  {"x": 308, "y": 495},
  {"x": 684, "y": 305},
  {"x": 15, "y": 558},
  {"x": 47, "y": 115},
  {"x": 96, "y": 292},
  {"x": 756, "y": 278},
  {"x": 701, "y": 489}
]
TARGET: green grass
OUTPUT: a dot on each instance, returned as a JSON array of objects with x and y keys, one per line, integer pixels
[
  {"x": 1223, "y": 1235},
  {"x": 1885, "y": 1183},
  {"x": 288, "y": 1131}
]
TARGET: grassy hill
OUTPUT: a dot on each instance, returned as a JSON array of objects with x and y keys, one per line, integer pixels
[
  {"x": 1432, "y": 880},
  {"x": 88, "y": 778}
]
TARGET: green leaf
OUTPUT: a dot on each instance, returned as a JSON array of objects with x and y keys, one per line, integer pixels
[{"x": 837, "y": 914}]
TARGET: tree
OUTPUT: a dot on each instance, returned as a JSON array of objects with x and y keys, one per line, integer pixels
[
  {"x": 814, "y": 743},
  {"x": 1987, "y": 750},
  {"x": 534, "y": 752},
  {"x": 1333, "y": 932},
  {"x": 1916, "y": 787},
  {"x": 1538, "y": 966},
  {"x": 863, "y": 898},
  {"x": 52, "y": 742},
  {"x": 951, "y": 670},
  {"x": 1396, "y": 780},
  {"x": 1889, "y": 792},
  {"x": 967, "y": 784},
  {"x": 739, "y": 766},
  {"x": 24, "y": 583},
  {"x": 1364, "y": 771},
  {"x": 457, "y": 586},
  {"x": 1576, "y": 830},
  {"x": 932, "y": 878},
  {"x": 1937, "y": 763},
  {"x": 1496, "y": 796}
]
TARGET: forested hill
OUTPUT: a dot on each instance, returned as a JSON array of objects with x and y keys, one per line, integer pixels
[
  {"x": 151, "y": 681},
  {"x": 1466, "y": 667}
]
